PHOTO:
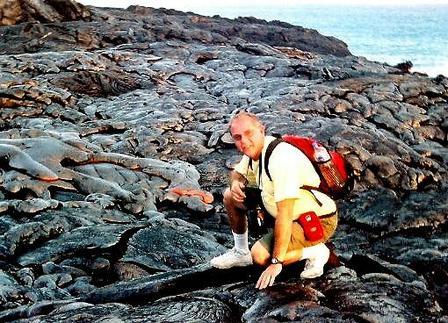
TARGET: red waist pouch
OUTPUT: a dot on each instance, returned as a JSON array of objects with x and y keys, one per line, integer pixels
[{"x": 311, "y": 226}]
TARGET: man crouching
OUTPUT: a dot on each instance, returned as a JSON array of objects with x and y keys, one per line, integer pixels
[{"x": 286, "y": 197}]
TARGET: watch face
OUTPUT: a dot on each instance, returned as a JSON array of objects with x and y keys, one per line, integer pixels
[{"x": 275, "y": 261}]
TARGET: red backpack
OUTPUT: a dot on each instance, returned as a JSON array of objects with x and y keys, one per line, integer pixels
[{"x": 336, "y": 179}]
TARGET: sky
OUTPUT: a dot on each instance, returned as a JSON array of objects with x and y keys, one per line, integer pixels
[{"x": 185, "y": 5}]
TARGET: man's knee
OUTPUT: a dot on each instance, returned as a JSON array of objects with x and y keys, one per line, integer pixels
[
  {"x": 228, "y": 197},
  {"x": 260, "y": 255},
  {"x": 229, "y": 202}
]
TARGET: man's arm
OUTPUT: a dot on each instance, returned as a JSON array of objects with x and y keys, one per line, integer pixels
[
  {"x": 282, "y": 236},
  {"x": 237, "y": 184},
  {"x": 235, "y": 176},
  {"x": 283, "y": 228}
]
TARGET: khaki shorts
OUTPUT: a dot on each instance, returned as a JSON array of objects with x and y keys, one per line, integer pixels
[{"x": 298, "y": 240}]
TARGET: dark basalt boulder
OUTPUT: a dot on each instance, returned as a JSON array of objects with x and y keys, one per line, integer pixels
[
  {"x": 166, "y": 247},
  {"x": 18, "y": 11}
]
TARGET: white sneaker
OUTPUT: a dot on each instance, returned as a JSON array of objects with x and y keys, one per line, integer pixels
[
  {"x": 232, "y": 258},
  {"x": 314, "y": 266}
]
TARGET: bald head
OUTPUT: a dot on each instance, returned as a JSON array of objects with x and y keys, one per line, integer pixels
[
  {"x": 245, "y": 115},
  {"x": 248, "y": 134}
]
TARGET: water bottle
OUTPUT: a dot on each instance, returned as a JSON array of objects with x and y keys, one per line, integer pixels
[
  {"x": 321, "y": 154},
  {"x": 332, "y": 178}
]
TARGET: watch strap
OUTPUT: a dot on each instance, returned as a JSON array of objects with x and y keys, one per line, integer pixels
[{"x": 276, "y": 261}]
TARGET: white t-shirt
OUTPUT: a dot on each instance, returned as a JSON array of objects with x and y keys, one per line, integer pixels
[{"x": 290, "y": 169}]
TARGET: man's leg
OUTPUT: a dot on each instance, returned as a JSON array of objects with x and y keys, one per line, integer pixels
[
  {"x": 236, "y": 212},
  {"x": 261, "y": 256},
  {"x": 239, "y": 255},
  {"x": 316, "y": 253},
  {"x": 316, "y": 257}
]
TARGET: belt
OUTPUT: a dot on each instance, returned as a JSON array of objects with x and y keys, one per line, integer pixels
[
  {"x": 325, "y": 216},
  {"x": 270, "y": 221}
]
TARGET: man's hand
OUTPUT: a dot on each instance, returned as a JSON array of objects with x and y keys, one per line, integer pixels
[
  {"x": 268, "y": 276},
  {"x": 237, "y": 190}
]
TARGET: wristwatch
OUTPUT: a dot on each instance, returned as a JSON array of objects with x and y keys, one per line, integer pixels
[{"x": 275, "y": 261}]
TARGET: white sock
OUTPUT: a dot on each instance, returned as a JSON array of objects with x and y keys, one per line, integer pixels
[
  {"x": 309, "y": 252},
  {"x": 241, "y": 240}
]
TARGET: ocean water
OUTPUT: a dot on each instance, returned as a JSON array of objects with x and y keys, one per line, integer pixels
[{"x": 390, "y": 34}]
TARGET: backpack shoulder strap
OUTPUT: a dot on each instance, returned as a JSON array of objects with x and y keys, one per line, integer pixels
[{"x": 269, "y": 151}]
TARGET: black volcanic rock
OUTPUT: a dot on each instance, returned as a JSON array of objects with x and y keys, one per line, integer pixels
[
  {"x": 98, "y": 28},
  {"x": 114, "y": 153},
  {"x": 18, "y": 11}
]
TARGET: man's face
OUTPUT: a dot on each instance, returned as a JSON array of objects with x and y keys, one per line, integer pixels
[{"x": 248, "y": 136}]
